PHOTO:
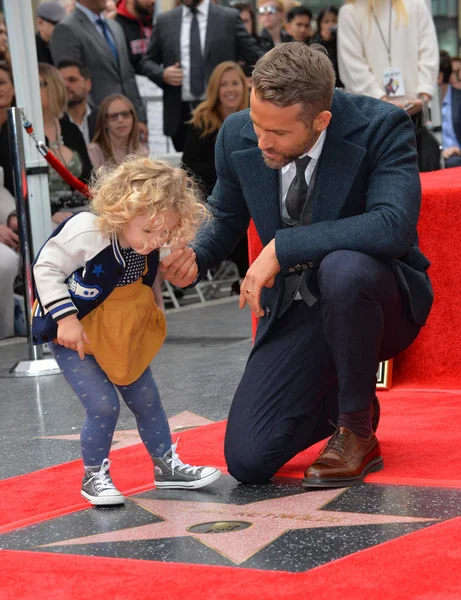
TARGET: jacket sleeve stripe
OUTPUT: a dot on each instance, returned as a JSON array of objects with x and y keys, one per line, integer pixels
[
  {"x": 63, "y": 310},
  {"x": 64, "y": 299}
]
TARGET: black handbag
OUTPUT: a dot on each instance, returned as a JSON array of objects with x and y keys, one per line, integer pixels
[{"x": 428, "y": 146}]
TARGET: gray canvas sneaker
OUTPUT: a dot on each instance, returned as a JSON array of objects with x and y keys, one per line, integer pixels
[
  {"x": 170, "y": 472},
  {"x": 97, "y": 486}
]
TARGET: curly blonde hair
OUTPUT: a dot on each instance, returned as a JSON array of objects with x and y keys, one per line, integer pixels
[{"x": 142, "y": 186}]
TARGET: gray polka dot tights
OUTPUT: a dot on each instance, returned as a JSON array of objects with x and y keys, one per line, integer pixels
[{"x": 99, "y": 398}]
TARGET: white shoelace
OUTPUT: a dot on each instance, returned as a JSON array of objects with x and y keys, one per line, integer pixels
[
  {"x": 176, "y": 463},
  {"x": 102, "y": 480}
]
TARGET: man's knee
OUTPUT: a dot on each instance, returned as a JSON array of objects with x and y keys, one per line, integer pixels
[
  {"x": 344, "y": 273},
  {"x": 247, "y": 466}
]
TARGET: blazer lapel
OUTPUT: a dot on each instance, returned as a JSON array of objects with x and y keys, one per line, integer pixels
[
  {"x": 340, "y": 160},
  {"x": 87, "y": 25},
  {"x": 338, "y": 165}
]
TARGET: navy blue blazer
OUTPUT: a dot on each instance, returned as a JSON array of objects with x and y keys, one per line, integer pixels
[{"x": 366, "y": 198}]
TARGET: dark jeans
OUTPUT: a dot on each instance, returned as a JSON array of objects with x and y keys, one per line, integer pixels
[{"x": 315, "y": 363}]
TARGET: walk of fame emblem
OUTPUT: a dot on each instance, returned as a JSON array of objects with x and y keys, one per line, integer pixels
[{"x": 219, "y": 527}]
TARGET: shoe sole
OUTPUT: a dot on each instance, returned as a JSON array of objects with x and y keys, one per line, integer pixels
[
  {"x": 187, "y": 485},
  {"x": 372, "y": 467},
  {"x": 103, "y": 501}
]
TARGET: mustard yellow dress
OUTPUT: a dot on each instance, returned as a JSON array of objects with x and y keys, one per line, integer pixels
[{"x": 128, "y": 329}]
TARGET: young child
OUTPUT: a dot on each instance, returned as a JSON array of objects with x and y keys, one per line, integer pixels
[{"x": 96, "y": 308}]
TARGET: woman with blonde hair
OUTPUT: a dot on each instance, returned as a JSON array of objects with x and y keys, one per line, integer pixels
[
  {"x": 388, "y": 49},
  {"x": 67, "y": 143},
  {"x": 227, "y": 93},
  {"x": 116, "y": 135}
]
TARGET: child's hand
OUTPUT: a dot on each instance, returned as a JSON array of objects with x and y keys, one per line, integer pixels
[
  {"x": 180, "y": 267},
  {"x": 72, "y": 335}
]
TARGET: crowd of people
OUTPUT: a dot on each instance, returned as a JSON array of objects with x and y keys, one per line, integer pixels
[{"x": 307, "y": 158}]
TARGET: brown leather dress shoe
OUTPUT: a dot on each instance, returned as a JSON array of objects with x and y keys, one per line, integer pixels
[{"x": 346, "y": 460}]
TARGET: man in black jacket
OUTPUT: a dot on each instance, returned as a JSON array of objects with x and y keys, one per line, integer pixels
[
  {"x": 136, "y": 20},
  {"x": 182, "y": 69}
]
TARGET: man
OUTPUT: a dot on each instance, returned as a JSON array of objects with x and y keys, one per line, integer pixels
[
  {"x": 78, "y": 85},
  {"x": 299, "y": 24},
  {"x": 49, "y": 14},
  {"x": 135, "y": 18},
  {"x": 187, "y": 43},
  {"x": 271, "y": 15},
  {"x": 85, "y": 36},
  {"x": 331, "y": 182}
]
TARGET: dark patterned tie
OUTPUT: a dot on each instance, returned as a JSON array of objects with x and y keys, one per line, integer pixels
[
  {"x": 297, "y": 192},
  {"x": 107, "y": 36},
  {"x": 197, "y": 71}
]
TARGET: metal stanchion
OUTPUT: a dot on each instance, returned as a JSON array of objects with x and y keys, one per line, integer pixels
[{"x": 36, "y": 364}]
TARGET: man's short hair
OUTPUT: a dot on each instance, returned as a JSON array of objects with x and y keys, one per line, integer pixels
[
  {"x": 445, "y": 67},
  {"x": 84, "y": 71},
  {"x": 295, "y": 73},
  {"x": 298, "y": 11}
]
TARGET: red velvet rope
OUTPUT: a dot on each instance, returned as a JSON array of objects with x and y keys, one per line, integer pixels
[{"x": 74, "y": 183}]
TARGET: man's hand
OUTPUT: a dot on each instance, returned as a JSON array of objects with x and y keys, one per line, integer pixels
[
  {"x": 8, "y": 237},
  {"x": 180, "y": 267},
  {"x": 173, "y": 75},
  {"x": 415, "y": 105},
  {"x": 260, "y": 274},
  {"x": 13, "y": 223},
  {"x": 453, "y": 151},
  {"x": 143, "y": 132},
  {"x": 72, "y": 335}
]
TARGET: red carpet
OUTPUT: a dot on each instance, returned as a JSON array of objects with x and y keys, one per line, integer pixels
[{"x": 420, "y": 444}]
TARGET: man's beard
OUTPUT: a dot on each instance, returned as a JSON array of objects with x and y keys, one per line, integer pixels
[
  {"x": 191, "y": 3},
  {"x": 142, "y": 11},
  {"x": 286, "y": 159},
  {"x": 75, "y": 101}
]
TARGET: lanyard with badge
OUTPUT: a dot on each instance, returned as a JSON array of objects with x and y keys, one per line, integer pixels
[{"x": 392, "y": 77}]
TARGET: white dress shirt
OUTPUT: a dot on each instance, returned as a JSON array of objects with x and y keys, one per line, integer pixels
[
  {"x": 186, "y": 21},
  {"x": 83, "y": 126},
  {"x": 288, "y": 172}
]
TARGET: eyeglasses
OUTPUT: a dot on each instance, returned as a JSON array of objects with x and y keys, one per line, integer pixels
[
  {"x": 43, "y": 84},
  {"x": 267, "y": 10},
  {"x": 124, "y": 114}
]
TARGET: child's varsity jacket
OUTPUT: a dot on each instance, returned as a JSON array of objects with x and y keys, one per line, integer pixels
[{"x": 75, "y": 270}]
